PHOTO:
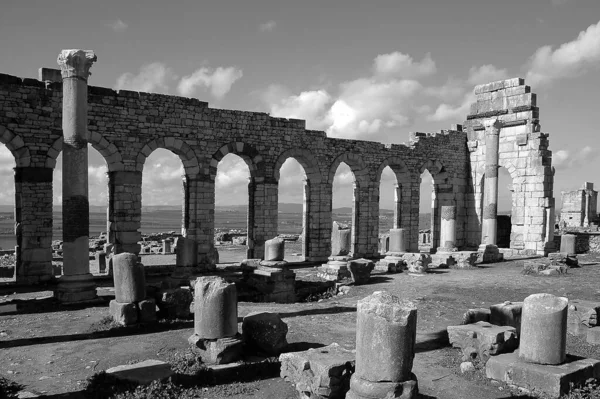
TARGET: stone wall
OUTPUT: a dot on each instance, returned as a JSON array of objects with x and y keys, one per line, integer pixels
[
  {"x": 126, "y": 127},
  {"x": 579, "y": 207},
  {"x": 584, "y": 242}
]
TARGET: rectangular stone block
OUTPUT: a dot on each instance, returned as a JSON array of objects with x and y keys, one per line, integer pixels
[
  {"x": 549, "y": 379},
  {"x": 483, "y": 338},
  {"x": 143, "y": 372},
  {"x": 123, "y": 313},
  {"x": 507, "y": 314}
]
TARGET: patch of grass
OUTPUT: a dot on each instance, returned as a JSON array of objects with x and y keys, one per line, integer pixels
[{"x": 8, "y": 388}]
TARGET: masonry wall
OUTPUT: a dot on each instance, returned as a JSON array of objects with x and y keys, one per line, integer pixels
[{"x": 126, "y": 127}]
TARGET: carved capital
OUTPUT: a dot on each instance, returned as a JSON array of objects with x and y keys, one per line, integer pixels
[
  {"x": 492, "y": 125},
  {"x": 76, "y": 63}
]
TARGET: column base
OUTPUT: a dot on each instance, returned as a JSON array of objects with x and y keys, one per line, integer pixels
[
  {"x": 391, "y": 263},
  {"x": 490, "y": 253},
  {"x": 336, "y": 269},
  {"x": 364, "y": 389},
  {"x": 76, "y": 288},
  {"x": 217, "y": 351}
]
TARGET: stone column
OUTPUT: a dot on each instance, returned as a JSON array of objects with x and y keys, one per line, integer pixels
[
  {"x": 448, "y": 229},
  {"x": 398, "y": 207},
  {"x": 386, "y": 329},
  {"x": 568, "y": 244},
  {"x": 544, "y": 329},
  {"x": 76, "y": 284},
  {"x": 275, "y": 249},
  {"x": 397, "y": 242},
  {"x": 166, "y": 246},
  {"x": 216, "y": 338},
  {"x": 490, "y": 194}
]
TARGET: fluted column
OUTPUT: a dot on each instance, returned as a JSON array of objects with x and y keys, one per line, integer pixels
[
  {"x": 490, "y": 194},
  {"x": 76, "y": 283}
]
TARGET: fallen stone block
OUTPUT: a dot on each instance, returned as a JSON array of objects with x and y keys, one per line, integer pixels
[
  {"x": 553, "y": 380},
  {"x": 217, "y": 351},
  {"x": 123, "y": 313},
  {"x": 582, "y": 315},
  {"x": 319, "y": 373},
  {"x": 507, "y": 314},
  {"x": 360, "y": 270},
  {"x": 464, "y": 260},
  {"x": 482, "y": 340},
  {"x": 593, "y": 336},
  {"x": 265, "y": 332},
  {"x": 147, "y": 311},
  {"x": 143, "y": 372},
  {"x": 474, "y": 315}
]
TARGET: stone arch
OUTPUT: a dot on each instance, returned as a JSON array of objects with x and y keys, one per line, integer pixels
[
  {"x": 109, "y": 152},
  {"x": 436, "y": 168},
  {"x": 356, "y": 164},
  {"x": 397, "y": 166},
  {"x": 177, "y": 146},
  {"x": 16, "y": 146},
  {"x": 249, "y": 154},
  {"x": 305, "y": 158}
]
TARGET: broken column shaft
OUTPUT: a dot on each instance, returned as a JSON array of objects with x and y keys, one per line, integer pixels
[
  {"x": 76, "y": 284},
  {"x": 490, "y": 193}
]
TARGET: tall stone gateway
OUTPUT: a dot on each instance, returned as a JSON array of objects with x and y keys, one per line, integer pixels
[{"x": 76, "y": 284}]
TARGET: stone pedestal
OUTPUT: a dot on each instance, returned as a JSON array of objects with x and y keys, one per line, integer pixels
[
  {"x": 216, "y": 338},
  {"x": 360, "y": 270},
  {"x": 273, "y": 284},
  {"x": 341, "y": 238},
  {"x": 386, "y": 330},
  {"x": 482, "y": 340},
  {"x": 489, "y": 253},
  {"x": 77, "y": 283},
  {"x": 129, "y": 278},
  {"x": 335, "y": 269},
  {"x": 544, "y": 329},
  {"x": 274, "y": 249},
  {"x": 568, "y": 244}
]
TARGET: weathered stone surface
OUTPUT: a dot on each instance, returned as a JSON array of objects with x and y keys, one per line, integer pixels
[
  {"x": 474, "y": 315},
  {"x": 340, "y": 240},
  {"x": 147, "y": 311},
  {"x": 581, "y": 316},
  {"x": 391, "y": 264},
  {"x": 397, "y": 241},
  {"x": 217, "y": 351},
  {"x": 143, "y": 372},
  {"x": 265, "y": 332},
  {"x": 175, "y": 302},
  {"x": 385, "y": 338},
  {"x": 274, "y": 249},
  {"x": 334, "y": 270},
  {"x": 319, "y": 373},
  {"x": 365, "y": 389},
  {"x": 273, "y": 284},
  {"x": 544, "y": 329},
  {"x": 129, "y": 278},
  {"x": 420, "y": 264},
  {"x": 123, "y": 313},
  {"x": 507, "y": 314},
  {"x": 215, "y": 308},
  {"x": 567, "y": 244},
  {"x": 187, "y": 252},
  {"x": 553, "y": 380},
  {"x": 593, "y": 336},
  {"x": 360, "y": 270},
  {"x": 482, "y": 340}
]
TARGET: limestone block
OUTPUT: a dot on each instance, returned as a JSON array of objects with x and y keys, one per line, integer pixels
[
  {"x": 129, "y": 278},
  {"x": 568, "y": 244},
  {"x": 274, "y": 249},
  {"x": 482, "y": 340},
  {"x": 187, "y": 252},
  {"x": 265, "y": 332},
  {"x": 544, "y": 329},
  {"x": 319, "y": 373},
  {"x": 215, "y": 308},
  {"x": 420, "y": 264},
  {"x": 507, "y": 314},
  {"x": 360, "y": 270},
  {"x": 175, "y": 303},
  {"x": 143, "y": 372},
  {"x": 123, "y": 313},
  {"x": 340, "y": 240},
  {"x": 398, "y": 241}
]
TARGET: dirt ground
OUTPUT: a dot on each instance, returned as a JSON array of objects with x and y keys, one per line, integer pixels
[{"x": 49, "y": 349}]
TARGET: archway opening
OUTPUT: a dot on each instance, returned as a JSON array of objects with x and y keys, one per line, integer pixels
[
  {"x": 231, "y": 209},
  {"x": 162, "y": 203},
  {"x": 8, "y": 239},
  {"x": 427, "y": 223},
  {"x": 343, "y": 209},
  {"x": 98, "y": 203},
  {"x": 291, "y": 209},
  {"x": 387, "y": 203},
  {"x": 505, "y": 205}
]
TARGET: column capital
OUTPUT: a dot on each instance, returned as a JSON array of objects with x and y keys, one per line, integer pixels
[
  {"x": 76, "y": 63},
  {"x": 492, "y": 125}
]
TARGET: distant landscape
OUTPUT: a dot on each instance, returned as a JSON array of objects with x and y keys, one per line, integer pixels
[{"x": 159, "y": 218}]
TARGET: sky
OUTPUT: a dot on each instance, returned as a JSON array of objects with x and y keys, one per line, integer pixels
[{"x": 362, "y": 70}]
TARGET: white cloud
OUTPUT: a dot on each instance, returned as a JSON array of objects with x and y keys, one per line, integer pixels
[
  {"x": 564, "y": 159},
  {"x": 485, "y": 74},
  {"x": 118, "y": 25},
  {"x": 267, "y": 26},
  {"x": 569, "y": 60},
  {"x": 446, "y": 111},
  {"x": 308, "y": 105},
  {"x": 154, "y": 77},
  {"x": 452, "y": 90},
  {"x": 403, "y": 66},
  {"x": 218, "y": 81}
]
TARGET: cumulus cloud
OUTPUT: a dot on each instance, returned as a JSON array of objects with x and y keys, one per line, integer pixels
[
  {"x": 452, "y": 90},
  {"x": 485, "y": 74},
  {"x": 403, "y": 66},
  {"x": 267, "y": 26},
  {"x": 447, "y": 111},
  {"x": 565, "y": 159},
  {"x": 308, "y": 105},
  {"x": 118, "y": 25},
  {"x": 569, "y": 60},
  {"x": 218, "y": 81},
  {"x": 154, "y": 78}
]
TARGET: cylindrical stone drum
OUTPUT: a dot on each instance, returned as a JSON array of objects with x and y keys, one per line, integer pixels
[
  {"x": 567, "y": 244},
  {"x": 448, "y": 226},
  {"x": 187, "y": 252},
  {"x": 544, "y": 329},
  {"x": 274, "y": 249},
  {"x": 340, "y": 240},
  {"x": 129, "y": 278},
  {"x": 215, "y": 308},
  {"x": 397, "y": 240},
  {"x": 386, "y": 329}
]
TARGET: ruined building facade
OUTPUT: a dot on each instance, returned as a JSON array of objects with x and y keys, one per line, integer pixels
[
  {"x": 579, "y": 207},
  {"x": 126, "y": 127}
]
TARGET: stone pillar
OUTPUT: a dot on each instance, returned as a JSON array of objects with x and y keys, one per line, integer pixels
[
  {"x": 76, "y": 284},
  {"x": 568, "y": 244},
  {"x": 166, "y": 246},
  {"x": 216, "y": 338},
  {"x": 386, "y": 329},
  {"x": 550, "y": 217},
  {"x": 186, "y": 262},
  {"x": 101, "y": 258},
  {"x": 435, "y": 216},
  {"x": 274, "y": 249},
  {"x": 262, "y": 214},
  {"x": 490, "y": 195},
  {"x": 544, "y": 329},
  {"x": 397, "y": 242},
  {"x": 398, "y": 207},
  {"x": 130, "y": 305},
  {"x": 317, "y": 227},
  {"x": 125, "y": 210},
  {"x": 448, "y": 229}
]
